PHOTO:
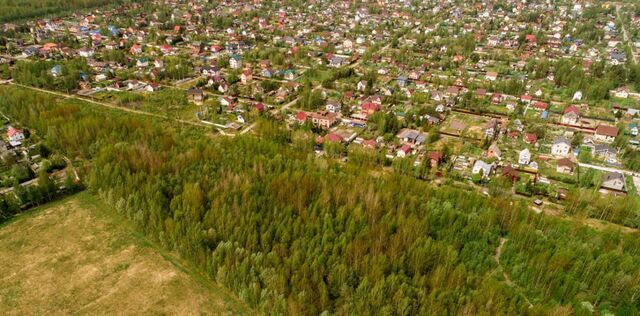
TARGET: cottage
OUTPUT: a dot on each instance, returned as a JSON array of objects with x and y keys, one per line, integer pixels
[
  {"x": 492, "y": 76},
  {"x": 135, "y": 49},
  {"x": 15, "y": 136},
  {"x": 482, "y": 168},
  {"x": 246, "y": 76},
  {"x": 323, "y": 119},
  {"x": 606, "y": 152},
  {"x": 235, "y": 62},
  {"x": 613, "y": 181},
  {"x": 195, "y": 95},
  {"x": 564, "y": 165},
  {"x": 494, "y": 151},
  {"x": 490, "y": 128},
  {"x": 561, "y": 147},
  {"x": 530, "y": 138},
  {"x": 362, "y": 85},
  {"x": 524, "y": 157},
  {"x": 435, "y": 157},
  {"x": 606, "y": 133},
  {"x": 571, "y": 115},
  {"x": 404, "y": 151},
  {"x": 333, "y": 106}
]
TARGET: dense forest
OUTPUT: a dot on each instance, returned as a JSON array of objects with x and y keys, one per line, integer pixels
[
  {"x": 291, "y": 233},
  {"x": 12, "y": 10}
]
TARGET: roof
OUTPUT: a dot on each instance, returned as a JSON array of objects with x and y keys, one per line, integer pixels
[
  {"x": 565, "y": 162},
  {"x": 333, "y": 137},
  {"x": 607, "y": 130},
  {"x": 434, "y": 155},
  {"x": 572, "y": 109},
  {"x": 13, "y": 131},
  {"x": 561, "y": 140}
]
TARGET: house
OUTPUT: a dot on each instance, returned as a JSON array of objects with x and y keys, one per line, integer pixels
[
  {"x": 290, "y": 74},
  {"x": 142, "y": 62},
  {"x": 435, "y": 157},
  {"x": 613, "y": 181},
  {"x": 336, "y": 61},
  {"x": 301, "y": 117},
  {"x": 404, "y": 151},
  {"x": 606, "y": 152},
  {"x": 633, "y": 129},
  {"x": 525, "y": 98},
  {"x": 564, "y": 165},
  {"x": 333, "y": 106},
  {"x": 571, "y": 115},
  {"x": 135, "y": 49},
  {"x": 541, "y": 106},
  {"x": 412, "y": 136},
  {"x": 494, "y": 151},
  {"x": 492, "y": 76},
  {"x": 56, "y": 70},
  {"x": 223, "y": 87},
  {"x": 482, "y": 168},
  {"x": 15, "y": 136},
  {"x": 561, "y": 147},
  {"x": 490, "y": 128},
  {"x": 621, "y": 92},
  {"x": 267, "y": 73},
  {"x": 246, "y": 76},
  {"x": 323, "y": 119},
  {"x": 606, "y": 133},
  {"x": 530, "y": 138},
  {"x": 369, "y": 108},
  {"x": 524, "y": 157},
  {"x": 334, "y": 137},
  {"x": 86, "y": 52},
  {"x": 577, "y": 96},
  {"x": 153, "y": 87},
  {"x": 362, "y": 85},
  {"x": 235, "y": 62},
  {"x": 226, "y": 101},
  {"x": 510, "y": 173},
  {"x": 195, "y": 95}
]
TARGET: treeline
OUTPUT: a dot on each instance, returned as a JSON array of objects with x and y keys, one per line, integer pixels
[
  {"x": 52, "y": 75},
  {"x": 12, "y": 10},
  {"x": 291, "y": 233}
]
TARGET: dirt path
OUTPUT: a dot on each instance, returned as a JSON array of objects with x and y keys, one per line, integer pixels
[
  {"x": 507, "y": 279},
  {"x": 109, "y": 105}
]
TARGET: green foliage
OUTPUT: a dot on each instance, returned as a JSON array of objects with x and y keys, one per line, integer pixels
[
  {"x": 23, "y": 9},
  {"x": 291, "y": 233}
]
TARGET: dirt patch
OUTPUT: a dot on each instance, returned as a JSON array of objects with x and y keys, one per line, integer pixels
[{"x": 73, "y": 258}]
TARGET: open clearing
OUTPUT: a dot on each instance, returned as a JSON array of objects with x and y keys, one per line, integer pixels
[{"x": 77, "y": 256}]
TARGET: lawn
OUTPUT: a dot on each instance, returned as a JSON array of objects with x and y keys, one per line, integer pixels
[{"x": 77, "y": 256}]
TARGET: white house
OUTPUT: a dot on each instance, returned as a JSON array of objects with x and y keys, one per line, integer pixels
[
  {"x": 524, "y": 157},
  {"x": 561, "y": 147},
  {"x": 481, "y": 166},
  {"x": 577, "y": 96}
]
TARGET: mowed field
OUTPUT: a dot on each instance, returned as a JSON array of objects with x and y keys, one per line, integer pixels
[{"x": 77, "y": 256}]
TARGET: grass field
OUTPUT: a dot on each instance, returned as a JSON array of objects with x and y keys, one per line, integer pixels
[{"x": 77, "y": 256}]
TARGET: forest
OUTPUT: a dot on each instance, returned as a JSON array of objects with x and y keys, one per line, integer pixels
[
  {"x": 12, "y": 10},
  {"x": 292, "y": 233}
]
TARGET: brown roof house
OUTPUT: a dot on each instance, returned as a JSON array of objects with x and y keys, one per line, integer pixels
[
  {"x": 606, "y": 133},
  {"x": 564, "y": 166}
]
